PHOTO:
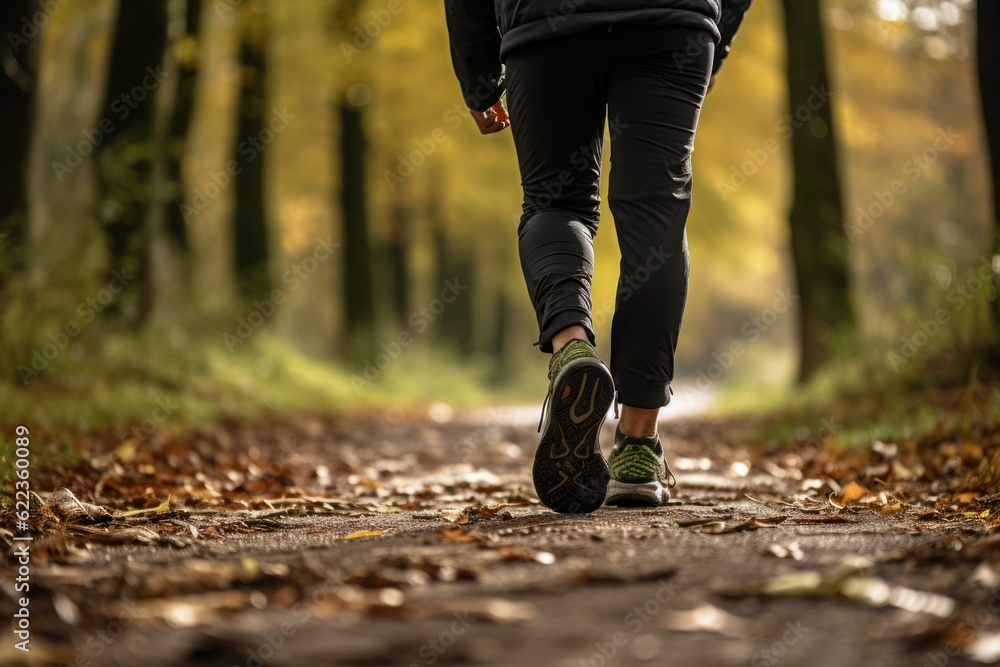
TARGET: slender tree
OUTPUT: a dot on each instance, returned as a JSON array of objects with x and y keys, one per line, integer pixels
[
  {"x": 359, "y": 298},
  {"x": 400, "y": 237},
  {"x": 988, "y": 50},
  {"x": 125, "y": 153},
  {"x": 352, "y": 151},
  {"x": 161, "y": 247},
  {"x": 819, "y": 242},
  {"x": 17, "y": 49},
  {"x": 250, "y": 222},
  {"x": 187, "y": 48},
  {"x": 455, "y": 270}
]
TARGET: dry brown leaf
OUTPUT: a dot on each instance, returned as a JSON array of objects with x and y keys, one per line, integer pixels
[
  {"x": 709, "y": 618},
  {"x": 476, "y": 513},
  {"x": 723, "y": 528},
  {"x": 691, "y": 523},
  {"x": 363, "y": 533},
  {"x": 64, "y": 505},
  {"x": 456, "y": 534},
  {"x": 891, "y": 507},
  {"x": 852, "y": 494},
  {"x": 120, "y": 536}
]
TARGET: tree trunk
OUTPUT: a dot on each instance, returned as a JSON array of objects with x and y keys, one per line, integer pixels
[
  {"x": 455, "y": 325},
  {"x": 124, "y": 165},
  {"x": 161, "y": 256},
  {"x": 17, "y": 82},
  {"x": 989, "y": 87},
  {"x": 819, "y": 242},
  {"x": 180, "y": 124},
  {"x": 250, "y": 221},
  {"x": 400, "y": 236},
  {"x": 359, "y": 302},
  {"x": 500, "y": 348},
  {"x": 208, "y": 223}
]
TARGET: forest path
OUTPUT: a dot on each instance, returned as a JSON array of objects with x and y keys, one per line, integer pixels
[{"x": 406, "y": 540}]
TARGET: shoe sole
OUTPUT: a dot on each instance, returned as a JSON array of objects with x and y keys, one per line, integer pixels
[
  {"x": 569, "y": 473},
  {"x": 644, "y": 494}
]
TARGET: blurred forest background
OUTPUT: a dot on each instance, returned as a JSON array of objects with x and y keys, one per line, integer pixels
[{"x": 234, "y": 204}]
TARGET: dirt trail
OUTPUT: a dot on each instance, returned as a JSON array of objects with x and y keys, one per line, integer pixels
[{"x": 414, "y": 541}]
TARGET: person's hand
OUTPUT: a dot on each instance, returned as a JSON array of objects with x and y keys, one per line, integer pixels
[
  {"x": 494, "y": 119},
  {"x": 711, "y": 83}
]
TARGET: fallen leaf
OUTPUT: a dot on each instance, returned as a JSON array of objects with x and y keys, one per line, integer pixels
[
  {"x": 722, "y": 528},
  {"x": 851, "y": 495},
  {"x": 126, "y": 451},
  {"x": 987, "y": 575},
  {"x": 879, "y": 593},
  {"x": 985, "y": 648},
  {"x": 885, "y": 450},
  {"x": 363, "y": 533},
  {"x": 624, "y": 575},
  {"x": 709, "y": 618},
  {"x": 797, "y": 583},
  {"x": 808, "y": 583},
  {"x": 807, "y": 520},
  {"x": 891, "y": 507},
  {"x": 785, "y": 551},
  {"x": 689, "y": 523},
  {"x": 64, "y": 505},
  {"x": 162, "y": 508},
  {"x": 512, "y": 555},
  {"x": 477, "y": 513},
  {"x": 120, "y": 536},
  {"x": 456, "y": 534}
]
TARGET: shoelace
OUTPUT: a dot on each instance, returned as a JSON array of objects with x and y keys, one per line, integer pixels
[{"x": 670, "y": 480}]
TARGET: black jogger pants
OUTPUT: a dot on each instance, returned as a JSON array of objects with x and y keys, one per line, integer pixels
[{"x": 648, "y": 83}]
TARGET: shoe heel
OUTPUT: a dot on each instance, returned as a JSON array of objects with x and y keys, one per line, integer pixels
[{"x": 569, "y": 471}]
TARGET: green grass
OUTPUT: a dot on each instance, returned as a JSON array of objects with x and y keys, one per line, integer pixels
[
  {"x": 952, "y": 391},
  {"x": 173, "y": 383},
  {"x": 134, "y": 380}
]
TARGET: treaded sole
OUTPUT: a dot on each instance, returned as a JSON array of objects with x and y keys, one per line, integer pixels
[
  {"x": 648, "y": 494},
  {"x": 569, "y": 473}
]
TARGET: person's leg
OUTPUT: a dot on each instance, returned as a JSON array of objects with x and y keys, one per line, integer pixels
[
  {"x": 556, "y": 96},
  {"x": 656, "y": 88}
]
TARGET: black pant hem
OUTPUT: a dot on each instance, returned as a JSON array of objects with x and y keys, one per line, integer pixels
[{"x": 561, "y": 321}]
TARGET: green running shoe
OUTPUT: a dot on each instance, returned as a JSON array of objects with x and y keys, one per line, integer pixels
[
  {"x": 639, "y": 473},
  {"x": 569, "y": 473}
]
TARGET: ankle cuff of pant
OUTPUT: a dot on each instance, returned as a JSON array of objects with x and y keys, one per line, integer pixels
[
  {"x": 645, "y": 395},
  {"x": 561, "y": 321}
]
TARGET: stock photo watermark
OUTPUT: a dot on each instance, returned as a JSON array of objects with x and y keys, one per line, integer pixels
[
  {"x": 433, "y": 649},
  {"x": 634, "y": 620},
  {"x": 420, "y": 321},
  {"x": 264, "y": 309},
  {"x": 752, "y": 330},
  {"x": 423, "y": 147},
  {"x": 124, "y": 105},
  {"x": 365, "y": 34},
  {"x": 87, "y": 311},
  {"x": 740, "y": 174},
  {"x": 914, "y": 170},
  {"x": 957, "y": 297},
  {"x": 248, "y": 150},
  {"x": 773, "y": 654},
  {"x": 31, "y": 26}
]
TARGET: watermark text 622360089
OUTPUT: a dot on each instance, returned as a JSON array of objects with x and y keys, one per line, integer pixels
[{"x": 22, "y": 550}]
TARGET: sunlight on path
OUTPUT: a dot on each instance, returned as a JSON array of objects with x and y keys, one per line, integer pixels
[{"x": 687, "y": 401}]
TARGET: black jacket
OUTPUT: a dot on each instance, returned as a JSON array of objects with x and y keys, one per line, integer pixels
[{"x": 483, "y": 31}]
